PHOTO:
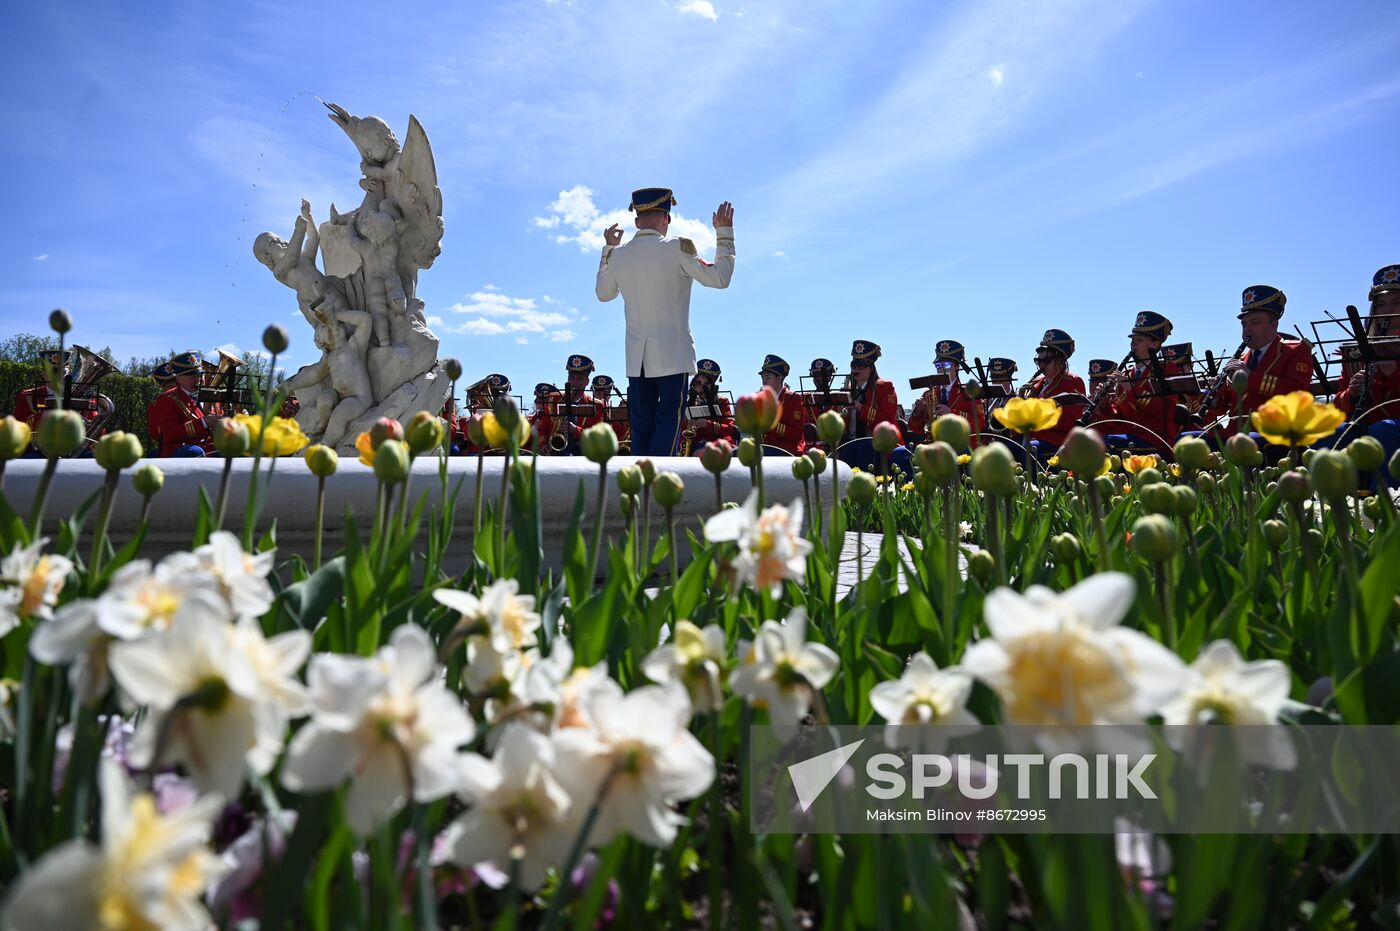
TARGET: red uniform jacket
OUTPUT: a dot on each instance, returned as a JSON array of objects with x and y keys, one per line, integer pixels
[
  {"x": 789, "y": 433},
  {"x": 1138, "y": 405},
  {"x": 586, "y": 412},
  {"x": 880, "y": 405},
  {"x": 719, "y": 427},
  {"x": 1382, "y": 387},
  {"x": 31, "y": 403},
  {"x": 1068, "y": 383},
  {"x": 174, "y": 420},
  {"x": 1287, "y": 365}
]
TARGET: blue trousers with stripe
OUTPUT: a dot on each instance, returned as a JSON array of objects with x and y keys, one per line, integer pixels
[{"x": 655, "y": 408}]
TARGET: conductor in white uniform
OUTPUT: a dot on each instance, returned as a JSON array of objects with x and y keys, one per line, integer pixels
[{"x": 653, "y": 274}]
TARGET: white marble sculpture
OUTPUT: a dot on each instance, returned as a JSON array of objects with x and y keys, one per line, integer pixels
[{"x": 379, "y": 359}]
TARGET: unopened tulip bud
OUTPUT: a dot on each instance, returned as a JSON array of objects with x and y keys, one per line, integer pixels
[
  {"x": 1308, "y": 456},
  {"x": 818, "y": 458},
  {"x": 1107, "y": 486},
  {"x": 981, "y": 565},
  {"x": 508, "y": 414},
  {"x": 1186, "y": 500},
  {"x": 385, "y": 428},
  {"x": 322, "y": 461},
  {"x": 749, "y": 453},
  {"x": 14, "y": 437},
  {"x": 801, "y": 468},
  {"x": 628, "y": 503},
  {"x": 1083, "y": 451},
  {"x": 831, "y": 427},
  {"x": 148, "y": 479},
  {"x": 924, "y": 484},
  {"x": 1154, "y": 538},
  {"x": 60, "y": 322},
  {"x": 1367, "y": 452},
  {"x": 1333, "y": 474},
  {"x": 61, "y": 432},
  {"x": 755, "y": 414},
  {"x": 1275, "y": 533},
  {"x": 1065, "y": 548},
  {"x": 1158, "y": 499},
  {"x": 1115, "y": 462},
  {"x": 1192, "y": 453},
  {"x": 118, "y": 450},
  {"x": 275, "y": 338},
  {"x": 1315, "y": 538},
  {"x": 1371, "y": 507},
  {"x": 993, "y": 470},
  {"x": 1270, "y": 488},
  {"x": 648, "y": 471},
  {"x": 599, "y": 443},
  {"x": 425, "y": 432},
  {"x": 1294, "y": 487},
  {"x": 629, "y": 480},
  {"x": 1205, "y": 483},
  {"x": 954, "y": 430},
  {"x": 885, "y": 437},
  {"x": 231, "y": 438},
  {"x": 391, "y": 461},
  {"x": 715, "y": 456},
  {"x": 1240, "y": 382},
  {"x": 1147, "y": 476},
  {"x": 476, "y": 430},
  {"x": 939, "y": 461},
  {"x": 1241, "y": 449},
  {"x": 861, "y": 488},
  {"x": 668, "y": 489},
  {"x": 452, "y": 368}
]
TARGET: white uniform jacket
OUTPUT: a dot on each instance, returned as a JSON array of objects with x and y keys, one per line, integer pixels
[{"x": 653, "y": 275}]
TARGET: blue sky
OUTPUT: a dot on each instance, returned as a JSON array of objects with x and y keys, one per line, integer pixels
[{"x": 901, "y": 171}]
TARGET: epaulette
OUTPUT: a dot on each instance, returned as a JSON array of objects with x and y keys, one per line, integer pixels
[{"x": 688, "y": 247}]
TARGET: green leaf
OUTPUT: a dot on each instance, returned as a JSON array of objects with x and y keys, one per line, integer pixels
[{"x": 307, "y": 601}]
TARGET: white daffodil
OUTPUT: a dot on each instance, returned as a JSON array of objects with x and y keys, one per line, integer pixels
[
  {"x": 1063, "y": 660},
  {"x": 141, "y": 597},
  {"x": 781, "y": 671},
  {"x": 501, "y": 615},
  {"x": 771, "y": 546},
  {"x": 30, "y": 583},
  {"x": 638, "y": 759},
  {"x": 386, "y": 721},
  {"x": 217, "y": 701},
  {"x": 695, "y": 658},
  {"x": 516, "y": 805},
  {"x": 150, "y": 872},
  {"x": 1221, "y": 688},
  {"x": 242, "y": 576},
  {"x": 924, "y": 694},
  {"x": 73, "y": 638}
]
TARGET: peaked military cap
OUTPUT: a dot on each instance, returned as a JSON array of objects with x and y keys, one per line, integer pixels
[
  {"x": 1179, "y": 353},
  {"x": 1387, "y": 279},
  {"x": 544, "y": 389},
  {"x": 578, "y": 363},
  {"x": 1058, "y": 340},
  {"x": 1000, "y": 367},
  {"x": 775, "y": 364},
  {"x": 1150, "y": 323},
  {"x": 1100, "y": 368},
  {"x": 862, "y": 350},
  {"x": 187, "y": 363},
  {"x": 602, "y": 381},
  {"x": 949, "y": 350},
  {"x": 708, "y": 367},
  {"x": 163, "y": 373},
  {"x": 1262, "y": 297},
  {"x": 499, "y": 382},
  {"x": 652, "y": 198},
  {"x": 55, "y": 357},
  {"x": 823, "y": 367}
]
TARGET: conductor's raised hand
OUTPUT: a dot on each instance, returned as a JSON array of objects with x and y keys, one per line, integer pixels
[
  {"x": 724, "y": 216},
  {"x": 613, "y": 235}
]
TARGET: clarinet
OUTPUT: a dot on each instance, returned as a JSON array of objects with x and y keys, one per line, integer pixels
[
  {"x": 1363, "y": 397},
  {"x": 1208, "y": 399},
  {"x": 1088, "y": 416}
]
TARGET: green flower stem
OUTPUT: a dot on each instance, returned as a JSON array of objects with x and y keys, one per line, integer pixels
[
  {"x": 994, "y": 539},
  {"x": 1342, "y": 519},
  {"x": 223, "y": 494},
  {"x": 951, "y": 579},
  {"x": 104, "y": 516},
  {"x": 599, "y": 516},
  {"x": 758, "y": 473},
  {"x": 320, "y": 519},
  {"x": 860, "y": 543},
  {"x": 719, "y": 492},
  {"x": 402, "y": 520},
  {"x": 476, "y": 524},
  {"x": 41, "y": 497},
  {"x": 646, "y": 520},
  {"x": 254, "y": 504},
  {"x": 1026, "y": 454},
  {"x": 716, "y": 833},
  {"x": 1100, "y": 535},
  {"x": 500, "y": 567},
  {"x": 671, "y": 545},
  {"x": 817, "y": 497},
  {"x": 551, "y": 918},
  {"x": 1300, "y": 522},
  {"x": 835, "y": 488},
  {"x": 145, "y": 510},
  {"x": 1164, "y": 599}
]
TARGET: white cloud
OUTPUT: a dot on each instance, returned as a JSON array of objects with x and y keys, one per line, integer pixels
[
  {"x": 780, "y": 254},
  {"x": 522, "y": 341},
  {"x": 997, "y": 74},
  {"x": 42, "y": 258},
  {"x": 702, "y": 8},
  {"x": 432, "y": 320},
  {"x": 575, "y": 210},
  {"x": 493, "y": 313}
]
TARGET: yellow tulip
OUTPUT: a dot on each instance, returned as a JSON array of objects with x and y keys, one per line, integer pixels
[
  {"x": 1028, "y": 415},
  {"x": 365, "y": 447},
  {"x": 964, "y": 459},
  {"x": 496, "y": 435},
  {"x": 1135, "y": 464},
  {"x": 283, "y": 436},
  {"x": 1296, "y": 419},
  {"x": 1053, "y": 461}
]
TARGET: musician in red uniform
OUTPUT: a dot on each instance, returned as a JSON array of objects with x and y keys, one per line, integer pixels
[
  {"x": 1136, "y": 398},
  {"x": 874, "y": 398},
  {"x": 176, "y": 421},
  {"x": 953, "y": 398},
  {"x": 30, "y": 403},
  {"x": 718, "y": 422},
  {"x": 1054, "y": 380},
  {"x": 1275, "y": 363},
  {"x": 1377, "y": 386},
  {"x": 604, "y": 388},
  {"x": 789, "y": 433},
  {"x": 1000, "y": 371},
  {"x": 1099, "y": 370},
  {"x": 575, "y": 412}
]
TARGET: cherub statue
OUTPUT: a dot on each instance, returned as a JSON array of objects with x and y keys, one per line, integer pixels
[
  {"x": 373, "y": 233},
  {"x": 343, "y": 335},
  {"x": 294, "y": 264}
]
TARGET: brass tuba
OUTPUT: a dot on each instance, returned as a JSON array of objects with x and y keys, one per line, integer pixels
[{"x": 88, "y": 369}]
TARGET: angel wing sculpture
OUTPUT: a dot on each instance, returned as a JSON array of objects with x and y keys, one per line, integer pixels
[{"x": 372, "y": 256}]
